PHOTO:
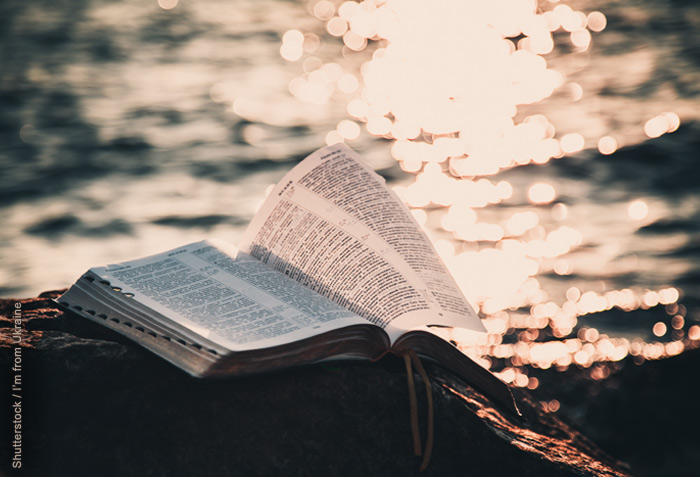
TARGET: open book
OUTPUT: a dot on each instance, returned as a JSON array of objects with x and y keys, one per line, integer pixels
[{"x": 332, "y": 267}]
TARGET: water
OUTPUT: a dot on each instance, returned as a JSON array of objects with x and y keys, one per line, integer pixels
[{"x": 128, "y": 128}]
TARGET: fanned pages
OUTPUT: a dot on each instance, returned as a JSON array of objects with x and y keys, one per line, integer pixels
[
  {"x": 333, "y": 225},
  {"x": 333, "y": 267}
]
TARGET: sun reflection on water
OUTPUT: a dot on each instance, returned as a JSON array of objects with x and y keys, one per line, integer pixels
[
  {"x": 517, "y": 340},
  {"x": 447, "y": 83}
]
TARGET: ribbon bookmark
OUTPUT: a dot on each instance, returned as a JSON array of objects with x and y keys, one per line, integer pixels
[{"x": 411, "y": 358}]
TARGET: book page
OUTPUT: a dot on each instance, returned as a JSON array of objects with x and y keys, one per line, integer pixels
[
  {"x": 333, "y": 225},
  {"x": 227, "y": 297}
]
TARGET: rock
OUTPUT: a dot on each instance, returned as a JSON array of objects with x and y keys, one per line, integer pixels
[
  {"x": 95, "y": 404},
  {"x": 646, "y": 415}
]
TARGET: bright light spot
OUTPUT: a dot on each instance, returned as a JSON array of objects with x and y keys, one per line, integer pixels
[
  {"x": 316, "y": 89},
  {"x": 334, "y": 71},
  {"x": 504, "y": 190},
  {"x": 311, "y": 42},
  {"x": 638, "y": 210},
  {"x": 668, "y": 296},
  {"x": 495, "y": 275},
  {"x": 378, "y": 125},
  {"x": 292, "y": 45},
  {"x": 597, "y": 21},
  {"x": 694, "y": 332},
  {"x": 312, "y": 63},
  {"x": 246, "y": 107},
  {"x": 573, "y": 294},
  {"x": 677, "y": 322},
  {"x": 521, "y": 380},
  {"x": 459, "y": 216},
  {"x": 659, "y": 329},
  {"x": 552, "y": 21},
  {"x": 581, "y": 38},
  {"x": 575, "y": 90},
  {"x": 358, "y": 109},
  {"x": 521, "y": 222},
  {"x": 571, "y": 143},
  {"x": 324, "y": 10},
  {"x": 591, "y": 335},
  {"x": 348, "y": 9},
  {"x": 349, "y": 130},
  {"x": 674, "y": 348},
  {"x": 607, "y": 145},
  {"x": 559, "y": 212},
  {"x": 333, "y": 137},
  {"x": 293, "y": 37},
  {"x": 656, "y": 126},
  {"x": 253, "y": 134},
  {"x": 354, "y": 41},
  {"x": 581, "y": 357},
  {"x": 650, "y": 299},
  {"x": 541, "y": 193},
  {"x": 319, "y": 77},
  {"x": 337, "y": 26},
  {"x": 411, "y": 166},
  {"x": 569, "y": 19},
  {"x": 508, "y": 375},
  {"x": 167, "y": 4},
  {"x": 291, "y": 52},
  {"x": 481, "y": 231},
  {"x": 673, "y": 121},
  {"x": 590, "y": 302},
  {"x": 557, "y": 243},
  {"x": 402, "y": 131},
  {"x": 562, "y": 267}
]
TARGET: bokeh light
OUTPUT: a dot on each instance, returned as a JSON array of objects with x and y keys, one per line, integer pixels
[
  {"x": 455, "y": 87},
  {"x": 638, "y": 210},
  {"x": 447, "y": 84},
  {"x": 607, "y": 145},
  {"x": 597, "y": 21},
  {"x": 167, "y": 4},
  {"x": 541, "y": 193},
  {"x": 661, "y": 124}
]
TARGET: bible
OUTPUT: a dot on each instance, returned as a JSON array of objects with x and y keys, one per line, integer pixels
[{"x": 332, "y": 267}]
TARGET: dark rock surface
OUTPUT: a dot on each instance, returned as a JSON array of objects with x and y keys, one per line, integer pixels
[
  {"x": 646, "y": 415},
  {"x": 96, "y": 405}
]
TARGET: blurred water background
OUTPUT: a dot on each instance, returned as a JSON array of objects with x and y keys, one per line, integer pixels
[{"x": 551, "y": 150}]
